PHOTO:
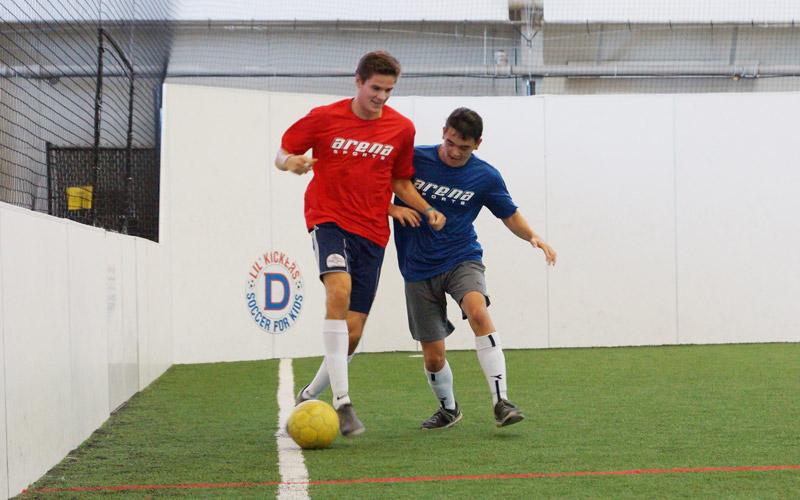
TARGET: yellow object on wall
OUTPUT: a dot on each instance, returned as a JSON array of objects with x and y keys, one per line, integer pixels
[{"x": 79, "y": 197}]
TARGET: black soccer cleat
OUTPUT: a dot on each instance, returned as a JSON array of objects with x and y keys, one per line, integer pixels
[
  {"x": 442, "y": 419},
  {"x": 505, "y": 413},
  {"x": 349, "y": 424}
]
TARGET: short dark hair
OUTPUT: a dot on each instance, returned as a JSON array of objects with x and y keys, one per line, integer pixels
[
  {"x": 466, "y": 122},
  {"x": 378, "y": 62}
]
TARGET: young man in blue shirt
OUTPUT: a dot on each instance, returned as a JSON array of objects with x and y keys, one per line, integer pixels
[{"x": 458, "y": 184}]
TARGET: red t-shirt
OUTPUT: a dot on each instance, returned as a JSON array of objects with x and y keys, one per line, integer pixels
[{"x": 357, "y": 160}]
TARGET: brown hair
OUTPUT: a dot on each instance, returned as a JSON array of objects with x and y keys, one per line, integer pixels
[{"x": 378, "y": 62}]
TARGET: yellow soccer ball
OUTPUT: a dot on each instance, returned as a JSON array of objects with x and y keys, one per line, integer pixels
[{"x": 313, "y": 424}]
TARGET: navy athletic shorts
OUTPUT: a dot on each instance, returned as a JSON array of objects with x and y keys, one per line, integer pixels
[{"x": 339, "y": 250}]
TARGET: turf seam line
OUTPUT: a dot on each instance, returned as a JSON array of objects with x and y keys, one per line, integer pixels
[{"x": 305, "y": 484}]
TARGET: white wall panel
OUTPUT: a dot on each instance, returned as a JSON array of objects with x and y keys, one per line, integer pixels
[
  {"x": 59, "y": 303},
  {"x": 611, "y": 218},
  {"x": 113, "y": 296},
  {"x": 4, "y": 493},
  {"x": 87, "y": 326},
  {"x": 162, "y": 346},
  {"x": 738, "y": 230},
  {"x": 675, "y": 11},
  {"x": 119, "y": 279},
  {"x": 218, "y": 163},
  {"x": 130, "y": 319},
  {"x": 37, "y": 344},
  {"x": 220, "y": 166},
  {"x": 144, "y": 374},
  {"x": 594, "y": 175},
  {"x": 154, "y": 316},
  {"x": 122, "y": 318},
  {"x": 160, "y": 296}
]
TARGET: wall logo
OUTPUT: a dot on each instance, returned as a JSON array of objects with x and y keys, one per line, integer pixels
[{"x": 274, "y": 292}]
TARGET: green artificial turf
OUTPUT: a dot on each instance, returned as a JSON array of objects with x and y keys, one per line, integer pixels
[{"x": 588, "y": 411}]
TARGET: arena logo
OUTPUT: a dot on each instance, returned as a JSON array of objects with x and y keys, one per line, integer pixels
[
  {"x": 274, "y": 292},
  {"x": 361, "y": 148},
  {"x": 437, "y": 192}
]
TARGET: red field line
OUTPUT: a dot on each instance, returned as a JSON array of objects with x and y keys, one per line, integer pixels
[{"x": 425, "y": 478}]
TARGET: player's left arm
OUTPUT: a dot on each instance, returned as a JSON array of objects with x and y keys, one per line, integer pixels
[
  {"x": 404, "y": 215},
  {"x": 406, "y": 191},
  {"x": 520, "y": 227}
]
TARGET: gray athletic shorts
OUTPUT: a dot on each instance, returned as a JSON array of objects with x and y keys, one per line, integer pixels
[{"x": 426, "y": 301}]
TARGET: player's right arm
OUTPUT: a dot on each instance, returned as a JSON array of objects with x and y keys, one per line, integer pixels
[
  {"x": 299, "y": 164},
  {"x": 520, "y": 227},
  {"x": 300, "y": 136}
]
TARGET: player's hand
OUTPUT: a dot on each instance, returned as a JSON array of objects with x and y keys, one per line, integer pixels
[
  {"x": 405, "y": 215},
  {"x": 436, "y": 219},
  {"x": 300, "y": 164},
  {"x": 549, "y": 253}
]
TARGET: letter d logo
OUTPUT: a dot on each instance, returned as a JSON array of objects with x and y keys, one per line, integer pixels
[
  {"x": 269, "y": 303},
  {"x": 273, "y": 292}
]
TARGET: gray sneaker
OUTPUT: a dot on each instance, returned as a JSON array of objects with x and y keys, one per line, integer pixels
[
  {"x": 300, "y": 398},
  {"x": 505, "y": 413},
  {"x": 349, "y": 424},
  {"x": 442, "y": 419}
]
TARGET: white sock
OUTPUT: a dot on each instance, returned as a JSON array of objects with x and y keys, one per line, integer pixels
[
  {"x": 441, "y": 383},
  {"x": 321, "y": 380},
  {"x": 336, "y": 339},
  {"x": 493, "y": 362}
]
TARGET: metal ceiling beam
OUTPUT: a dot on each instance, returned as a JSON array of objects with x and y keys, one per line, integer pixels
[{"x": 744, "y": 69}]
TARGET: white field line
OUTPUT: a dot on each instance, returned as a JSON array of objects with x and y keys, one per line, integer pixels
[{"x": 294, "y": 475}]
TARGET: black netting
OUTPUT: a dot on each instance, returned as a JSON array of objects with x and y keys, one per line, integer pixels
[
  {"x": 80, "y": 87},
  {"x": 85, "y": 76},
  {"x": 106, "y": 196}
]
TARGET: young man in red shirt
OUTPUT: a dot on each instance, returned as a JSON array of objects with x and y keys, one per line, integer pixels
[{"x": 362, "y": 152}]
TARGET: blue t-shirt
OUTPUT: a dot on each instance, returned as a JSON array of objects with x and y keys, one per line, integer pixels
[{"x": 459, "y": 193}]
